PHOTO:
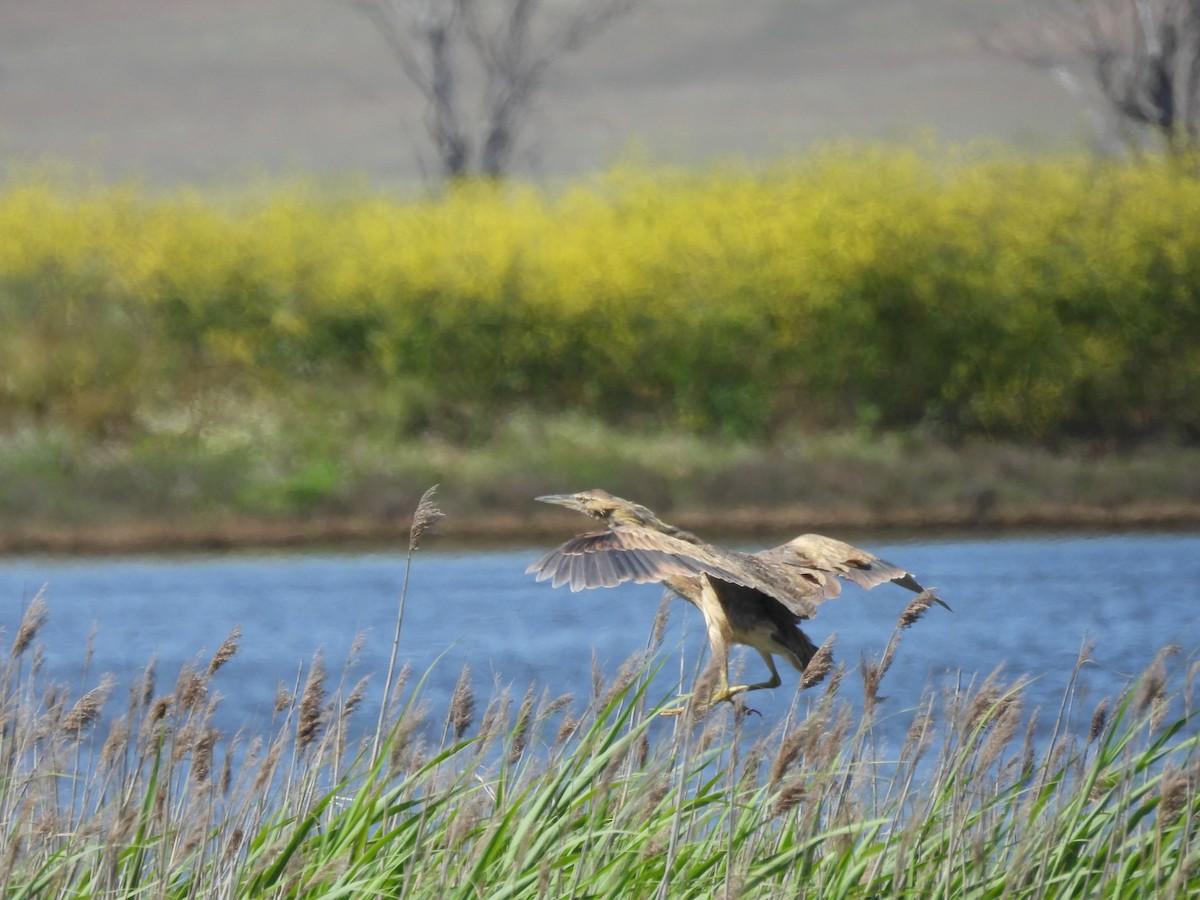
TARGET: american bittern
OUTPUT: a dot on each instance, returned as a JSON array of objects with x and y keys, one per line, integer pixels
[{"x": 755, "y": 599}]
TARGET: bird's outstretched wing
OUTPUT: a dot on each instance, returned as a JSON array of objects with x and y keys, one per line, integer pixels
[
  {"x": 607, "y": 558},
  {"x": 816, "y": 556}
]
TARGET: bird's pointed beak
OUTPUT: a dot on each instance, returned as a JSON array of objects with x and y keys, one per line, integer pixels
[{"x": 567, "y": 500}]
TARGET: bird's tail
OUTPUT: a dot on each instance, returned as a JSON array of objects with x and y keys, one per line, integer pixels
[{"x": 800, "y": 649}]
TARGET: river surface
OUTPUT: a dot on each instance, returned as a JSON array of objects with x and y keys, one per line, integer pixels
[{"x": 1026, "y": 602}]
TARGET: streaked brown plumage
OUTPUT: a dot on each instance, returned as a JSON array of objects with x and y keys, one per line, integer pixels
[{"x": 755, "y": 599}]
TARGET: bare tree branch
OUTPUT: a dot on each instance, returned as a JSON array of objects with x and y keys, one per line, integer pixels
[
  {"x": 1142, "y": 56},
  {"x": 501, "y": 48}
]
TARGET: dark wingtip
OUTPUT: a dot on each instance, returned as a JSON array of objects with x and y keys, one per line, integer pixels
[{"x": 908, "y": 581}]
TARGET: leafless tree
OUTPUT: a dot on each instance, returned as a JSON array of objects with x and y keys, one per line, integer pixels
[
  {"x": 1140, "y": 58},
  {"x": 480, "y": 63}
]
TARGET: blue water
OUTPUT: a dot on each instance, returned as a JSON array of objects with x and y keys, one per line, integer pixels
[{"x": 1025, "y": 602}]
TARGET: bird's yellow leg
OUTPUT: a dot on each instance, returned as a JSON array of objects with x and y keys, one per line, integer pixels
[{"x": 725, "y": 691}]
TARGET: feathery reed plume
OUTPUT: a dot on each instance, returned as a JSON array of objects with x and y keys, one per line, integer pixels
[
  {"x": 1099, "y": 720},
  {"x": 87, "y": 708},
  {"x": 191, "y": 689},
  {"x": 227, "y": 768},
  {"x": 597, "y": 680},
  {"x": 1007, "y": 720},
  {"x": 283, "y": 698},
  {"x": 789, "y": 797},
  {"x": 425, "y": 517},
  {"x": 462, "y": 703},
  {"x": 89, "y": 648},
  {"x": 155, "y": 715},
  {"x": 227, "y": 650},
  {"x": 520, "y": 736},
  {"x": 146, "y": 686},
  {"x": 1028, "y": 749},
  {"x": 1177, "y": 787},
  {"x": 355, "y": 698},
  {"x": 495, "y": 718},
  {"x": 918, "y": 736},
  {"x": 566, "y": 728},
  {"x": 789, "y": 752},
  {"x": 312, "y": 704},
  {"x": 202, "y": 753},
  {"x": 1153, "y": 685},
  {"x": 116, "y": 742},
  {"x": 872, "y": 675},
  {"x": 31, "y": 623},
  {"x": 626, "y": 675},
  {"x": 918, "y": 606},
  {"x": 820, "y": 664},
  {"x": 661, "y": 618},
  {"x": 983, "y": 705},
  {"x": 559, "y": 703}
]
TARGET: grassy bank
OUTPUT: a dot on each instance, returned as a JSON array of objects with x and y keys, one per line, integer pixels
[
  {"x": 118, "y": 790},
  {"x": 279, "y": 477}
]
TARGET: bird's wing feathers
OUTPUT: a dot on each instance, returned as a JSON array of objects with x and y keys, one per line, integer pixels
[
  {"x": 625, "y": 553},
  {"x": 607, "y": 558},
  {"x": 815, "y": 554}
]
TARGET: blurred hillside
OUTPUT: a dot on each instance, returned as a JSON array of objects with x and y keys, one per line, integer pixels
[{"x": 174, "y": 92}]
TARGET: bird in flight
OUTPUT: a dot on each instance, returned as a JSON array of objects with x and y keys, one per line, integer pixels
[{"x": 754, "y": 599}]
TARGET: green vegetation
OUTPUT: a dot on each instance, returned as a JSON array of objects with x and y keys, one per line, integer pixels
[
  {"x": 287, "y": 350},
  {"x": 605, "y": 801},
  {"x": 858, "y": 286}
]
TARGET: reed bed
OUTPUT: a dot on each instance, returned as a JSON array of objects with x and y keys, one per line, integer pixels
[{"x": 139, "y": 794}]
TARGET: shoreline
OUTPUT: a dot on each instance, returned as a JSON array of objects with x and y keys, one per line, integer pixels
[{"x": 496, "y": 529}]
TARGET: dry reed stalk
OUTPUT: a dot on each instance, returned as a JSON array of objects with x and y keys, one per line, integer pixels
[
  {"x": 424, "y": 519},
  {"x": 520, "y": 736},
  {"x": 918, "y": 736},
  {"x": 87, "y": 708},
  {"x": 115, "y": 744},
  {"x": 426, "y": 516},
  {"x": 226, "y": 652},
  {"x": 788, "y": 753},
  {"x": 401, "y": 739},
  {"x": 789, "y": 796},
  {"x": 462, "y": 704},
  {"x": 283, "y": 698},
  {"x": 566, "y": 729},
  {"x": 983, "y": 703},
  {"x": 1028, "y": 753},
  {"x": 1099, "y": 720},
  {"x": 352, "y": 702},
  {"x": 559, "y": 703},
  {"x": 917, "y": 607},
  {"x": 1007, "y": 720},
  {"x": 820, "y": 665},
  {"x": 626, "y": 675},
  {"x": 89, "y": 647},
  {"x": 597, "y": 681},
  {"x": 495, "y": 718},
  {"x": 312, "y": 704},
  {"x": 191, "y": 689},
  {"x": 659, "y": 630},
  {"x": 266, "y": 770},
  {"x": 145, "y": 688},
  {"x": 32, "y": 620}
]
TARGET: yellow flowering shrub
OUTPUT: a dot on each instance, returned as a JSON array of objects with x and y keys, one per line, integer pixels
[{"x": 857, "y": 285}]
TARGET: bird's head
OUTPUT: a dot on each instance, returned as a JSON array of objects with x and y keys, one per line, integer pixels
[{"x": 601, "y": 505}]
